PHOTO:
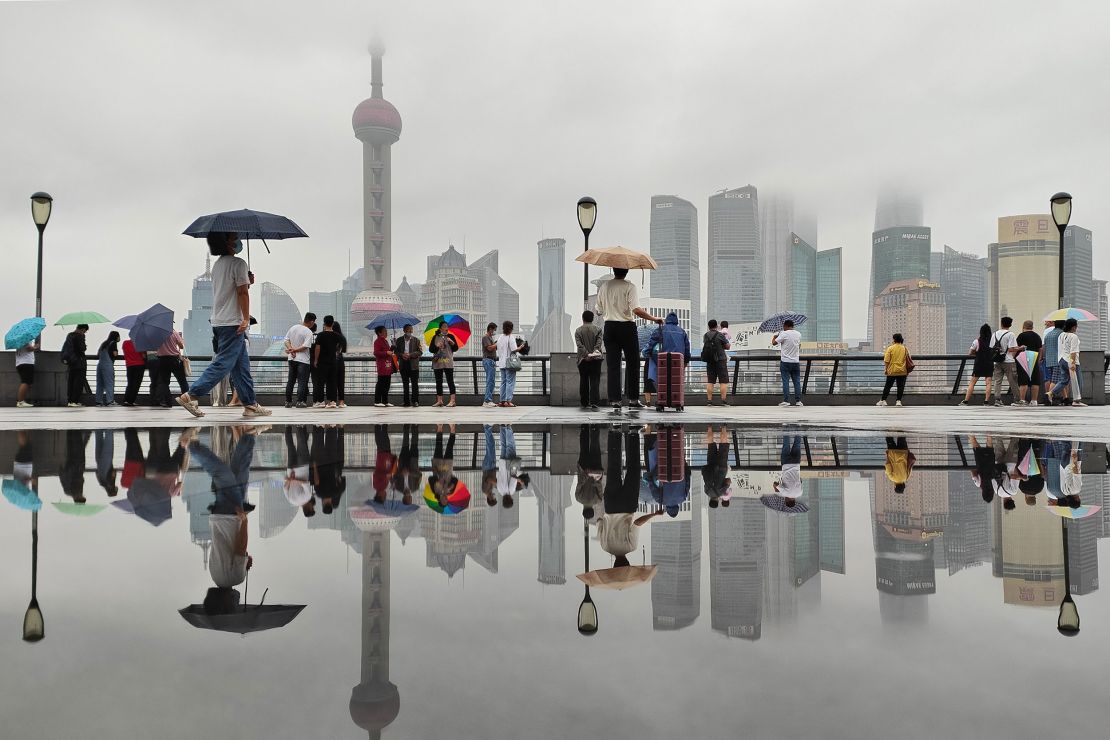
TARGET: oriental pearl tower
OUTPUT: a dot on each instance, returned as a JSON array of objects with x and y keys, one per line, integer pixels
[{"x": 377, "y": 125}]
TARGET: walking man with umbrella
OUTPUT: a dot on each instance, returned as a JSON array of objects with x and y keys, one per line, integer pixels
[
  {"x": 230, "y": 321},
  {"x": 619, "y": 303}
]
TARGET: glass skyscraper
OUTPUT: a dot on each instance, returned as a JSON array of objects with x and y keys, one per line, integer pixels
[
  {"x": 830, "y": 321},
  {"x": 963, "y": 278},
  {"x": 735, "y": 256},
  {"x": 803, "y": 277},
  {"x": 674, "y": 245}
]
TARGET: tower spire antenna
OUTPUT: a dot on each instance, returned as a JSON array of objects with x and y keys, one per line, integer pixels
[{"x": 377, "y": 51}]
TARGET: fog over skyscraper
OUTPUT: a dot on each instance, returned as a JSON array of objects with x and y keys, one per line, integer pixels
[
  {"x": 674, "y": 245},
  {"x": 776, "y": 225},
  {"x": 900, "y": 244},
  {"x": 896, "y": 208},
  {"x": 735, "y": 256}
]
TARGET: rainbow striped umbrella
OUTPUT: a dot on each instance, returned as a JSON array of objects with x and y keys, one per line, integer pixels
[
  {"x": 458, "y": 500},
  {"x": 1063, "y": 314},
  {"x": 457, "y": 326},
  {"x": 1027, "y": 361}
]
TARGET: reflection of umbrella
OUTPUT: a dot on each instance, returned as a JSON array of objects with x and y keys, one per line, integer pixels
[
  {"x": 82, "y": 317},
  {"x": 75, "y": 509},
  {"x": 393, "y": 320},
  {"x": 1080, "y": 512},
  {"x": 775, "y": 502},
  {"x": 1028, "y": 465},
  {"x": 24, "y": 332},
  {"x": 1027, "y": 360},
  {"x": 458, "y": 500},
  {"x": 242, "y": 619},
  {"x": 147, "y": 500},
  {"x": 151, "y": 328},
  {"x": 21, "y": 496},
  {"x": 775, "y": 322},
  {"x": 619, "y": 257},
  {"x": 619, "y": 578},
  {"x": 247, "y": 224},
  {"x": 380, "y": 514},
  {"x": 125, "y": 322},
  {"x": 1063, "y": 314},
  {"x": 457, "y": 326}
]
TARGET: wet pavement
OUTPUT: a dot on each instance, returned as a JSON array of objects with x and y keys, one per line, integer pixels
[{"x": 410, "y": 581}]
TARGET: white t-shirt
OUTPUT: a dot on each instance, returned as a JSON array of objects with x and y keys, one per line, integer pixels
[
  {"x": 506, "y": 345},
  {"x": 297, "y": 491},
  {"x": 1069, "y": 343},
  {"x": 618, "y": 534},
  {"x": 790, "y": 482},
  {"x": 616, "y": 300},
  {"x": 227, "y": 275},
  {"x": 299, "y": 336},
  {"x": 791, "y": 343},
  {"x": 1005, "y": 339},
  {"x": 227, "y": 568},
  {"x": 24, "y": 356}
]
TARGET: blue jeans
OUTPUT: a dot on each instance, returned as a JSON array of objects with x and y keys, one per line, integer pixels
[
  {"x": 791, "y": 371},
  {"x": 489, "y": 460},
  {"x": 508, "y": 384},
  {"x": 105, "y": 382},
  {"x": 508, "y": 442},
  {"x": 491, "y": 374},
  {"x": 232, "y": 357},
  {"x": 229, "y": 482}
]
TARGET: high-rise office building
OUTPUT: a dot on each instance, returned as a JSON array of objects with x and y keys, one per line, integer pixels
[
  {"x": 502, "y": 300},
  {"x": 963, "y": 280},
  {"x": 196, "y": 329},
  {"x": 735, "y": 256},
  {"x": 1031, "y": 555},
  {"x": 1103, "y": 315},
  {"x": 894, "y": 208},
  {"x": 475, "y": 291},
  {"x": 803, "y": 279},
  {"x": 776, "y": 229},
  {"x": 915, "y": 309},
  {"x": 674, "y": 245},
  {"x": 279, "y": 312},
  {"x": 553, "y": 328},
  {"x": 899, "y": 253},
  {"x": 1079, "y": 284},
  {"x": 830, "y": 298}
]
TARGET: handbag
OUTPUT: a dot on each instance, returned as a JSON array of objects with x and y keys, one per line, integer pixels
[
  {"x": 513, "y": 362},
  {"x": 910, "y": 365},
  {"x": 186, "y": 365}
]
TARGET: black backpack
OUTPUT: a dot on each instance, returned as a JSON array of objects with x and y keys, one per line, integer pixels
[
  {"x": 711, "y": 348},
  {"x": 996, "y": 343}
]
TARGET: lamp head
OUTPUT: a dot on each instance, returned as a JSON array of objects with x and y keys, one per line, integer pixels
[
  {"x": 1067, "y": 624},
  {"x": 1061, "y": 209},
  {"x": 587, "y": 213},
  {"x": 33, "y": 627},
  {"x": 587, "y": 615},
  {"x": 41, "y": 203}
]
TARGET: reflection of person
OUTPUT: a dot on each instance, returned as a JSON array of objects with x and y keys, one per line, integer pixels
[
  {"x": 134, "y": 462},
  {"x": 489, "y": 464},
  {"x": 587, "y": 489},
  {"x": 327, "y": 466},
  {"x": 984, "y": 471},
  {"x": 442, "y": 478},
  {"x": 104, "y": 448},
  {"x": 1070, "y": 476},
  {"x": 228, "y": 560},
  {"x": 899, "y": 462},
  {"x": 162, "y": 466},
  {"x": 618, "y": 527},
  {"x": 23, "y": 469},
  {"x": 715, "y": 473},
  {"x": 789, "y": 485},
  {"x": 72, "y": 473},
  {"x": 407, "y": 478},
  {"x": 385, "y": 462},
  {"x": 510, "y": 479},
  {"x": 298, "y": 481}
]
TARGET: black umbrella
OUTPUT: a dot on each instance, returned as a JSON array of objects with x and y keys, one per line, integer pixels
[
  {"x": 248, "y": 225},
  {"x": 242, "y": 619}
]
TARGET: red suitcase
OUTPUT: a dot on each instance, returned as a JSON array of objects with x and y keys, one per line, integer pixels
[
  {"x": 671, "y": 446},
  {"x": 671, "y": 383}
]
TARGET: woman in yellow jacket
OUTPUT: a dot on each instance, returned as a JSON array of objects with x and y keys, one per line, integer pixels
[{"x": 896, "y": 365}]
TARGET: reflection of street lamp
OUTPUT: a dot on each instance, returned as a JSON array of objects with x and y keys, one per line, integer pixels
[
  {"x": 41, "y": 205},
  {"x": 1067, "y": 623},
  {"x": 1061, "y": 214},
  {"x": 587, "y": 215},
  {"x": 33, "y": 627},
  {"x": 587, "y": 610}
]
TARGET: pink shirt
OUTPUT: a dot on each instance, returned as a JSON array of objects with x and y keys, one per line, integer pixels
[{"x": 172, "y": 346}]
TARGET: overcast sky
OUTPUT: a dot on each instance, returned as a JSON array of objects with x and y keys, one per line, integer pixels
[{"x": 139, "y": 116}]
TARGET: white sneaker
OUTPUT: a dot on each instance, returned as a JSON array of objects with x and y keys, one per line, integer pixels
[
  {"x": 73, "y": 405},
  {"x": 319, "y": 405},
  {"x": 331, "y": 405},
  {"x": 380, "y": 405},
  {"x": 389, "y": 405},
  {"x": 489, "y": 405},
  {"x": 24, "y": 405},
  {"x": 897, "y": 403},
  {"x": 1033, "y": 402},
  {"x": 881, "y": 403},
  {"x": 784, "y": 404},
  {"x": 799, "y": 403}
]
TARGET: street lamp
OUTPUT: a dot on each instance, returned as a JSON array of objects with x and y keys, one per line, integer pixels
[
  {"x": 41, "y": 205},
  {"x": 587, "y": 610},
  {"x": 1067, "y": 623},
  {"x": 33, "y": 627},
  {"x": 587, "y": 216},
  {"x": 1061, "y": 214}
]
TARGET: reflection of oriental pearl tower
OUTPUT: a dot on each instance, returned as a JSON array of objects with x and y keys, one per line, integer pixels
[{"x": 377, "y": 125}]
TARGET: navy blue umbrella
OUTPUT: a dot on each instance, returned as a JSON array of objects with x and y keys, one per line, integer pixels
[
  {"x": 125, "y": 322},
  {"x": 775, "y": 322},
  {"x": 393, "y": 320},
  {"x": 151, "y": 328},
  {"x": 247, "y": 223}
]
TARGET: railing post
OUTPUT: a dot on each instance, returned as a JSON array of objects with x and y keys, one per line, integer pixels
[
  {"x": 543, "y": 376},
  {"x": 735, "y": 375},
  {"x": 959, "y": 377},
  {"x": 836, "y": 452},
  {"x": 474, "y": 373},
  {"x": 960, "y": 448},
  {"x": 805, "y": 380},
  {"x": 832, "y": 380},
  {"x": 809, "y": 457}
]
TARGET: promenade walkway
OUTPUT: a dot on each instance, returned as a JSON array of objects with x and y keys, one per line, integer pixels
[{"x": 1090, "y": 423}]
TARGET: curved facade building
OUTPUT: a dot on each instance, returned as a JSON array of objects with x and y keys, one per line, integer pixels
[{"x": 279, "y": 312}]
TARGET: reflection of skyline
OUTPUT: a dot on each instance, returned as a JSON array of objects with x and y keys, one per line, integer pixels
[{"x": 676, "y": 588}]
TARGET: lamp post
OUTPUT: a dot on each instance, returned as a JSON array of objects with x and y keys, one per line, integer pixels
[
  {"x": 587, "y": 610},
  {"x": 33, "y": 627},
  {"x": 41, "y": 205},
  {"x": 1067, "y": 623},
  {"x": 587, "y": 216},
  {"x": 1061, "y": 214}
]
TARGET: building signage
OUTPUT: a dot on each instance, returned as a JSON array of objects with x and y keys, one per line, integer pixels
[
  {"x": 738, "y": 195},
  {"x": 664, "y": 205},
  {"x": 747, "y": 337},
  {"x": 1034, "y": 226}
]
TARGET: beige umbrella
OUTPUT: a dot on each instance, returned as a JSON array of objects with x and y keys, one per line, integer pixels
[
  {"x": 621, "y": 257},
  {"x": 619, "y": 578}
]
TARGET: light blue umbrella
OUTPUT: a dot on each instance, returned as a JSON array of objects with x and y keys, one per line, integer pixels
[
  {"x": 151, "y": 328},
  {"x": 393, "y": 320},
  {"x": 24, "y": 332},
  {"x": 21, "y": 495}
]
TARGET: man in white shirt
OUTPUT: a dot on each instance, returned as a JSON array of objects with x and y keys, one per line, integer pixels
[
  {"x": 789, "y": 485},
  {"x": 298, "y": 341},
  {"x": 618, "y": 303},
  {"x": 790, "y": 340},
  {"x": 231, "y": 282},
  {"x": 1006, "y": 343}
]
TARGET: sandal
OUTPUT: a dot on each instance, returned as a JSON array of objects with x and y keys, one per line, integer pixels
[
  {"x": 437, "y": 403},
  {"x": 451, "y": 405}
]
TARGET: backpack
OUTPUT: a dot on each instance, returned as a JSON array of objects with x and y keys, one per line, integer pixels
[
  {"x": 711, "y": 353},
  {"x": 996, "y": 344},
  {"x": 68, "y": 354}
]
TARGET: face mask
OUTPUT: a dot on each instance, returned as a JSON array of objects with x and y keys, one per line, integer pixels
[{"x": 238, "y": 246}]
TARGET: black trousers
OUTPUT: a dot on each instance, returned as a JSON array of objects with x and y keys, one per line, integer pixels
[
  {"x": 134, "y": 380},
  {"x": 317, "y": 384},
  {"x": 381, "y": 389},
  {"x": 890, "y": 381},
  {"x": 410, "y": 383},
  {"x": 589, "y": 382},
  {"x": 327, "y": 377},
  {"x": 441, "y": 373},
  {"x": 75, "y": 382},
  {"x": 621, "y": 340},
  {"x": 622, "y": 493},
  {"x": 298, "y": 376},
  {"x": 166, "y": 368}
]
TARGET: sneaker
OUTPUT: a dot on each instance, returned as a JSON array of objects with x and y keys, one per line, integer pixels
[
  {"x": 415, "y": 405},
  {"x": 332, "y": 405},
  {"x": 192, "y": 406},
  {"x": 1019, "y": 403},
  {"x": 488, "y": 404},
  {"x": 637, "y": 404},
  {"x": 1033, "y": 402},
  {"x": 319, "y": 405},
  {"x": 1078, "y": 403},
  {"x": 881, "y": 403},
  {"x": 593, "y": 407},
  {"x": 897, "y": 403},
  {"x": 380, "y": 405},
  {"x": 343, "y": 404},
  {"x": 73, "y": 405},
  {"x": 24, "y": 405},
  {"x": 724, "y": 402},
  {"x": 784, "y": 404},
  {"x": 998, "y": 402},
  {"x": 389, "y": 405},
  {"x": 288, "y": 404},
  {"x": 406, "y": 404},
  {"x": 616, "y": 408},
  {"x": 249, "y": 412},
  {"x": 300, "y": 405},
  {"x": 799, "y": 403},
  {"x": 962, "y": 403}
]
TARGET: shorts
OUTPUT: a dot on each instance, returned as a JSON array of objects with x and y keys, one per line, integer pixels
[
  {"x": 1052, "y": 373},
  {"x": 26, "y": 374},
  {"x": 649, "y": 385},
  {"x": 717, "y": 373}
]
